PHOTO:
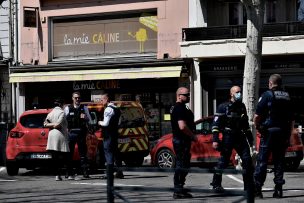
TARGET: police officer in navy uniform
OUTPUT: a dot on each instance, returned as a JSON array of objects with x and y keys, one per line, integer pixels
[
  {"x": 231, "y": 119},
  {"x": 183, "y": 126},
  {"x": 78, "y": 118},
  {"x": 274, "y": 120}
]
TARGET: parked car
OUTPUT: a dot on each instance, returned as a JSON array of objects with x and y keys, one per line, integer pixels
[
  {"x": 26, "y": 142},
  {"x": 202, "y": 152},
  {"x": 294, "y": 152}
]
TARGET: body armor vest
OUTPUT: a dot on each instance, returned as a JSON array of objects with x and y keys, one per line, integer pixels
[
  {"x": 73, "y": 118},
  {"x": 112, "y": 128}
]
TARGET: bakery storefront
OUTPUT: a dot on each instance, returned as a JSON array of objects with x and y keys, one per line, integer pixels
[{"x": 103, "y": 53}]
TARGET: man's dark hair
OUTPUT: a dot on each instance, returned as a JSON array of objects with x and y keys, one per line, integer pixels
[
  {"x": 77, "y": 92},
  {"x": 107, "y": 95},
  {"x": 58, "y": 102},
  {"x": 276, "y": 79}
]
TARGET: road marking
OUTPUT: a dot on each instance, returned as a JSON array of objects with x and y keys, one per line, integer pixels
[
  {"x": 2, "y": 169},
  {"x": 2, "y": 180},
  {"x": 235, "y": 178},
  {"x": 104, "y": 184}
]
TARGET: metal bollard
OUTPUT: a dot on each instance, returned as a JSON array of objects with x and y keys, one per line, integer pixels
[{"x": 110, "y": 183}]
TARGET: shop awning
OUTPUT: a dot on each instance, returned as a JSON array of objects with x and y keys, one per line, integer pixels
[{"x": 100, "y": 74}]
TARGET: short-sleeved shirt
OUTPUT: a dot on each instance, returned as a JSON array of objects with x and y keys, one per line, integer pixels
[
  {"x": 181, "y": 112},
  {"x": 275, "y": 108}
]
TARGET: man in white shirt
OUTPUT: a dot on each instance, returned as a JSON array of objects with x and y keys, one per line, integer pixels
[{"x": 109, "y": 127}]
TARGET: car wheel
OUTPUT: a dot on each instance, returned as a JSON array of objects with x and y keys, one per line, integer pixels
[
  {"x": 293, "y": 164},
  {"x": 136, "y": 162},
  {"x": 165, "y": 159},
  {"x": 11, "y": 168}
]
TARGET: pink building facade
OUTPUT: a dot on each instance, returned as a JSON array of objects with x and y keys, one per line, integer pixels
[
  {"x": 165, "y": 18},
  {"x": 129, "y": 48}
]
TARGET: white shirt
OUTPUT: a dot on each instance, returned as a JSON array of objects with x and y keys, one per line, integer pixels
[{"x": 107, "y": 115}]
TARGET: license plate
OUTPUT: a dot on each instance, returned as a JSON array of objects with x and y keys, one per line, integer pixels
[
  {"x": 41, "y": 156},
  {"x": 290, "y": 154},
  {"x": 124, "y": 140}
]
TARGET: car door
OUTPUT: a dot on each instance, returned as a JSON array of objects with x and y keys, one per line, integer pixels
[{"x": 202, "y": 150}]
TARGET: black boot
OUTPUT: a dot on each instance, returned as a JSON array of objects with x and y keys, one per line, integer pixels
[
  {"x": 86, "y": 173},
  {"x": 181, "y": 193},
  {"x": 217, "y": 183},
  {"x": 119, "y": 174},
  {"x": 278, "y": 191},
  {"x": 258, "y": 192}
]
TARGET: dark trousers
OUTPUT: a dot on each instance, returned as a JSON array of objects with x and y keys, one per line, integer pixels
[
  {"x": 110, "y": 146},
  {"x": 58, "y": 161},
  {"x": 78, "y": 138},
  {"x": 183, "y": 156},
  {"x": 275, "y": 141},
  {"x": 238, "y": 142}
]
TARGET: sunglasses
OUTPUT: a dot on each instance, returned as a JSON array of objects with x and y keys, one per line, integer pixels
[{"x": 186, "y": 95}]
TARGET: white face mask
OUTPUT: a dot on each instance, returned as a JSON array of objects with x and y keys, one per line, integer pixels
[{"x": 238, "y": 96}]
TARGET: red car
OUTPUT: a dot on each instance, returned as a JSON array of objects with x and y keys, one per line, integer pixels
[
  {"x": 294, "y": 153},
  {"x": 26, "y": 142},
  {"x": 202, "y": 152}
]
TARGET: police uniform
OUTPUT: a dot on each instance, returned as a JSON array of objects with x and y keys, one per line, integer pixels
[
  {"x": 110, "y": 132},
  {"x": 77, "y": 134},
  {"x": 109, "y": 127},
  {"x": 231, "y": 119},
  {"x": 181, "y": 143},
  {"x": 276, "y": 112}
]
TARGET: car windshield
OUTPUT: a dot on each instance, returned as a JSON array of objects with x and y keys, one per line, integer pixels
[
  {"x": 33, "y": 120},
  {"x": 131, "y": 117},
  {"x": 204, "y": 127}
]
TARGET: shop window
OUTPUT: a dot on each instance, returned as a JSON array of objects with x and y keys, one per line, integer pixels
[
  {"x": 300, "y": 9},
  {"x": 270, "y": 11},
  {"x": 30, "y": 17},
  {"x": 237, "y": 14}
]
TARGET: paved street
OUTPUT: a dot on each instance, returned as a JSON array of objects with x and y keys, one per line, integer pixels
[{"x": 40, "y": 186}]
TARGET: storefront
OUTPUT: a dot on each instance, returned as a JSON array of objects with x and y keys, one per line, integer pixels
[
  {"x": 153, "y": 87},
  {"x": 128, "y": 50},
  {"x": 155, "y": 95},
  {"x": 218, "y": 76}
]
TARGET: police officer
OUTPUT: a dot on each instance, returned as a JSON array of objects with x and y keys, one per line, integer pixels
[
  {"x": 231, "y": 119},
  {"x": 274, "y": 120},
  {"x": 78, "y": 118},
  {"x": 182, "y": 122},
  {"x": 109, "y": 127}
]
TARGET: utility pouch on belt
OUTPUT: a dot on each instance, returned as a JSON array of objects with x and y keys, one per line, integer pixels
[
  {"x": 263, "y": 130},
  {"x": 75, "y": 131}
]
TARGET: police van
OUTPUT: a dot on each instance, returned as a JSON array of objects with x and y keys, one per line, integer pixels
[{"x": 133, "y": 143}]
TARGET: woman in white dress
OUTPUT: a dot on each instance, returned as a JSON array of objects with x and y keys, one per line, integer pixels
[{"x": 57, "y": 142}]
